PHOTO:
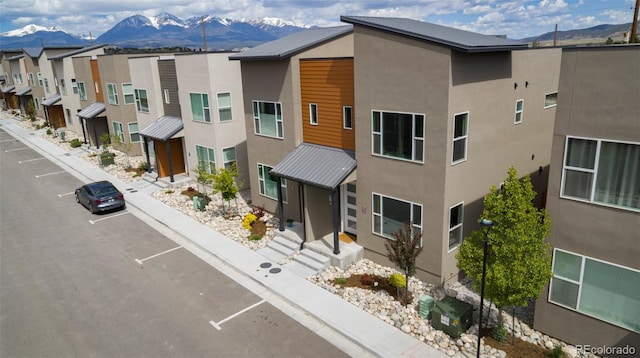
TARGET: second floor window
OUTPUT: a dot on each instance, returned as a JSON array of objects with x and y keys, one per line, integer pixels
[
  {"x": 313, "y": 114},
  {"x": 347, "y": 113},
  {"x": 112, "y": 93},
  {"x": 63, "y": 87},
  {"x": 32, "y": 81},
  {"x": 142, "y": 104},
  {"x": 127, "y": 93},
  {"x": 224, "y": 106},
  {"x": 267, "y": 119},
  {"x": 519, "y": 110},
  {"x": 46, "y": 86},
  {"x": 460, "y": 127},
  {"x": 40, "y": 79},
  {"x": 81, "y": 91},
  {"x": 398, "y": 135},
  {"x": 200, "y": 111},
  {"x": 118, "y": 131},
  {"x": 134, "y": 134}
]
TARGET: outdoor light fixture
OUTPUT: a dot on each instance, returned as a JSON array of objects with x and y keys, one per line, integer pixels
[{"x": 485, "y": 223}]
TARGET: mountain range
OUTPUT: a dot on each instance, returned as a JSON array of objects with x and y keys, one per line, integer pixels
[{"x": 167, "y": 30}]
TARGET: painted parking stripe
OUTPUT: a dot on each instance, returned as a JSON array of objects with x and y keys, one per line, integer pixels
[
  {"x": 30, "y": 160},
  {"x": 108, "y": 217},
  {"x": 217, "y": 325},
  {"x": 65, "y": 194},
  {"x": 47, "y": 174},
  {"x": 139, "y": 261},
  {"x": 13, "y": 150}
]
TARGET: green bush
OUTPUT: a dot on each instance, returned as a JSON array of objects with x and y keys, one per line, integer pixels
[
  {"x": 555, "y": 352},
  {"x": 75, "y": 143},
  {"x": 499, "y": 333},
  {"x": 49, "y": 132},
  {"x": 255, "y": 237},
  {"x": 397, "y": 280},
  {"x": 341, "y": 280}
]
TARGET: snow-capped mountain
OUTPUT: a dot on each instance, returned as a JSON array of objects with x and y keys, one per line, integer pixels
[
  {"x": 34, "y": 36},
  {"x": 30, "y": 29}
]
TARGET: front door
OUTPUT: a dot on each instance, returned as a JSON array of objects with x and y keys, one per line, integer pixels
[{"x": 349, "y": 208}]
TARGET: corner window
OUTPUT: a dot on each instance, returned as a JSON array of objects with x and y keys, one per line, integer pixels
[
  {"x": 313, "y": 114},
  {"x": 134, "y": 133},
  {"x": 112, "y": 93},
  {"x": 206, "y": 156},
  {"x": 519, "y": 110},
  {"x": 82, "y": 91},
  {"x": 118, "y": 131},
  {"x": 550, "y": 99},
  {"x": 268, "y": 184},
  {"x": 127, "y": 93},
  {"x": 229, "y": 157},
  {"x": 267, "y": 119},
  {"x": 142, "y": 103},
  {"x": 460, "y": 131},
  {"x": 347, "y": 113},
  {"x": 456, "y": 215},
  {"x": 391, "y": 215},
  {"x": 398, "y": 135},
  {"x": 200, "y": 111}
]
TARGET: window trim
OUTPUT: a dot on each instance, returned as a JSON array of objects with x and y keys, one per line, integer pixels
[
  {"x": 212, "y": 158},
  {"x": 520, "y": 112},
  {"x": 413, "y": 137},
  {"x": 580, "y": 283},
  {"x": 460, "y": 225},
  {"x": 82, "y": 92},
  {"x": 204, "y": 109},
  {"x": 114, "y": 92},
  {"x": 138, "y": 100},
  {"x": 230, "y": 107},
  {"x": 344, "y": 117},
  {"x": 381, "y": 215},
  {"x": 133, "y": 132},
  {"x": 224, "y": 161},
  {"x": 546, "y": 95},
  {"x": 119, "y": 132},
  {"x": 313, "y": 114},
  {"x": 256, "y": 119},
  {"x": 125, "y": 94},
  {"x": 283, "y": 185},
  {"x": 464, "y": 138}
]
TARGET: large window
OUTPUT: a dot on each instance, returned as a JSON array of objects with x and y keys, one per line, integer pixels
[
  {"x": 602, "y": 172},
  {"x": 460, "y": 134},
  {"x": 134, "y": 133},
  {"x": 200, "y": 111},
  {"x": 456, "y": 215},
  {"x": 596, "y": 288},
  {"x": 229, "y": 157},
  {"x": 347, "y": 117},
  {"x": 112, "y": 93},
  {"x": 82, "y": 91},
  {"x": 550, "y": 99},
  {"x": 224, "y": 106},
  {"x": 267, "y": 118},
  {"x": 519, "y": 111},
  {"x": 127, "y": 93},
  {"x": 391, "y": 215},
  {"x": 118, "y": 131},
  {"x": 398, "y": 135},
  {"x": 268, "y": 183},
  {"x": 142, "y": 103},
  {"x": 206, "y": 156}
]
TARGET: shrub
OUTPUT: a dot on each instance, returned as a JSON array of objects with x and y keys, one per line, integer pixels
[
  {"x": 397, "y": 280},
  {"x": 248, "y": 221},
  {"x": 169, "y": 191},
  {"x": 75, "y": 143},
  {"x": 555, "y": 352},
  {"x": 255, "y": 237},
  {"x": 499, "y": 333},
  {"x": 258, "y": 211},
  {"x": 143, "y": 166},
  {"x": 341, "y": 280},
  {"x": 366, "y": 279}
]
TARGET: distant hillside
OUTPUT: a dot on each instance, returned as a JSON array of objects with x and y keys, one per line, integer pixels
[{"x": 596, "y": 32}]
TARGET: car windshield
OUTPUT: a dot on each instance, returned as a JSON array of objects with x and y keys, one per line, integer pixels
[{"x": 105, "y": 190}]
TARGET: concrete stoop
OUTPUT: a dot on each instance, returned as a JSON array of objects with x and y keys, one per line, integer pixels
[
  {"x": 308, "y": 263},
  {"x": 279, "y": 248},
  {"x": 304, "y": 263}
]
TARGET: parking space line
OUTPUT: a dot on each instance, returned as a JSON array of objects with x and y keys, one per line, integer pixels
[
  {"x": 156, "y": 255},
  {"x": 217, "y": 325},
  {"x": 29, "y": 160},
  {"x": 108, "y": 217},
  {"x": 47, "y": 174},
  {"x": 13, "y": 150},
  {"x": 65, "y": 194}
]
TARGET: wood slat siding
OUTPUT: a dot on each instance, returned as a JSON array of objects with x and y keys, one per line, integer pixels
[
  {"x": 169, "y": 81},
  {"x": 329, "y": 84},
  {"x": 95, "y": 75}
]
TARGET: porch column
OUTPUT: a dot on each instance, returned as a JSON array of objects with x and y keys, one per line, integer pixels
[
  {"x": 280, "y": 204},
  {"x": 95, "y": 135},
  {"x": 84, "y": 131},
  {"x": 335, "y": 203},
  {"x": 167, "y": 147},
  {"x": 146, "y": 152}
]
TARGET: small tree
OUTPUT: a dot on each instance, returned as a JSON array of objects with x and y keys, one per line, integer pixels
[
  {"x": 105, "y": 140},
  {"x": 125, "y": 147},
  {"x": 518, "y": 257},
  {"x": 31, "y": 110},
  {"x": 224, "y": 182},
  {"x": 404, "y": 249},
  {"x": 203, "y": 176}
]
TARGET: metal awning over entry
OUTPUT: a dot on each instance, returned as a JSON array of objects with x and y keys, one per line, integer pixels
[
  {"x": 317, "y": 165},
  {"x": 7, "y": 89},
  {"x": 163, "y": 128},
  {"x": 23, "y": 91},
  {"x": 51, "y": 100},
  {"x": 92, "y": 111}
]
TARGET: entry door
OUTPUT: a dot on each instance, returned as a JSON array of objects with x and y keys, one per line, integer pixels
[{"x": 349, "y": 208}]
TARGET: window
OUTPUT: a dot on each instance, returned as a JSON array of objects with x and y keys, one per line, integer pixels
[
  {"x": 206, "y": 155},
  {"x": 167, "y": 99},
  {"x": 46, "y": 86},
  {"x": 347, "y": 113},
  {"x": 398, "y": 135},
  {"x": 112, "y": 93},
  {"x": 142, "y": 104},
  {"x": 460, "y": 131},
  {"x": 269, "y": 184},
  {"x": 229, "y": 157},
  {"x": 36, "y": 103},
  {"x": 602, "y": 172},
  {"x": 63, "y": 87},
  {"x": 74, "y": 86},
  {"x": 267, "y": 118},
  {"x": 200, "y": 111},
  {"x": 224, "y": 106},
  {"x": 313, "y": 114},
  {"x": 118, "y": 131},
  {"x": 32, "y": 81},
  {"x": 550, "y": 99},
  {"x": 40, "y": 83},
  {"x": 519, "y": 109},
  {"x": 390, "y": 215},
  {"x": 68, "y": 116},
  {"x": 596, "y": 288},
  {"x": 81, "y": 91},
  {"x": 456, "y": 215},
  {"x": 134, "y": 134},
  {"x": 127, "y": 93}
]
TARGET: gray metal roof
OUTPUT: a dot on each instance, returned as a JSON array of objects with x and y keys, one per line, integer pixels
[
  {"x": 317, "y": 165},
  {"x": 23, "y": 91},
  {"x": 16, "y": 57},
  {"x": 290, "y": 45},
  {"x": 93, "y": 110},
  {"x": 33, "y": 52},
  {"x": 456, "y": 39},
  {"x": 75, "y": 52},
  {"x": 163, "y": 128},
  {"x": 51, "y": 100},
  {"x": 7, "y": 89}
]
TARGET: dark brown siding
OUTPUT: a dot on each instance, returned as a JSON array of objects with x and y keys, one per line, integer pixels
[
  {"x": 169, "y": 82},
  {"x": 95, "y": 74},
  {"x": 329, "y": 84}
]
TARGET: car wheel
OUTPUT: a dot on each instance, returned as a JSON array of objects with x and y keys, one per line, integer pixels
[
  {"x": 92, "y": 209},
  {"x": 77, "y": 198}
]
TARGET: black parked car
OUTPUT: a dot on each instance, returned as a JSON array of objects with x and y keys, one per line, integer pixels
[{"x": 100, "y": 196}]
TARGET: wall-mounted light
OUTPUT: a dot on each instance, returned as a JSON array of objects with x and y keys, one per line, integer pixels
[
  {"x": 515, "y": 85},
  {"x": 526, "y": 84}
]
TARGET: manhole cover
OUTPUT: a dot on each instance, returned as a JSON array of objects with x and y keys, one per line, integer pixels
[
  {"x": 275, "y": 270},
  {"x": 265, "y": 265}
]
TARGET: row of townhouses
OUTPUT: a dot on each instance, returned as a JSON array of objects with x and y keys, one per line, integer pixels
[{"x": 361, "y": 128}]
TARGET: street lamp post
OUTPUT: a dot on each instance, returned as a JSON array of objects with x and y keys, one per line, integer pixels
[{"x": 487, "y": 225}]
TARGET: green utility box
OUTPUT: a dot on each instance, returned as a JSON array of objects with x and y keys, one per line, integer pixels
[
  {"x": 107, "y": 158},
  {"x": 452, "y": 316},
  {"x": 426, "y": 306},
  {"x": 198, "y": 203}
]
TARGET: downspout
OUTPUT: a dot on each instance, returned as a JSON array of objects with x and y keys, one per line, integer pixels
[
  {"x": 280, "y": 205},
  {"x": 336, "y": 219}
]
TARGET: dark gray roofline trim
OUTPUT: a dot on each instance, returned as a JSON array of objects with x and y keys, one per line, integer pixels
[{"x": 317, "y": 185}]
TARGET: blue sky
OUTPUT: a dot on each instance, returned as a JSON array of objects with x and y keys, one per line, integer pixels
[{"x": 514, "y": 18}]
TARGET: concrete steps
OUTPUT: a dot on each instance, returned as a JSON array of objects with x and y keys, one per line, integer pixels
[
  {"x": 279, "y": 248},
  {"x": 305, "y": 263}
]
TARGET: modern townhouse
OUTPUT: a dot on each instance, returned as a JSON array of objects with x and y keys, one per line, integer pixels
[
  {"x": 92, "y": 117},
  {"x": 7, "y": 80},
  {"x": 593, "y": 299},
  {"x": 212, "y": 112}
]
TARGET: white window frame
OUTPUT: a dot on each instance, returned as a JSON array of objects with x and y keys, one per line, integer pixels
[
  {"x": 224, "y": 108},
  {"x": 31, "y": 78},
  {"x": 63, "y": 87},
  {"x": 40, "y": 82},
  {"x": 279, "y": 123},
  {"x": 227, "y": 163},
  {"x": 167, "y": 98},
  {"x": 136, "y": 131},
  {"x": 262, "y": 184},
  {"x": 126, "y": 94},
  {"x": 463, "y": 138},
  {"x": 416, "y": 141},
  {"x": 211, "y": 160},
  {"x": 346, "y": 117},
  {"x": 139, "y": 107},
  {"x": 579, "y": 283},
  {"x": 82, "y": 91},
  {"x": 519, "y": 113},
  {"x": 459, "y": 225},
  {"x": 313, "y": 114},
  {"x": 118, "y": 129},
  {"x": 47, "y": 89},
  {"x": 380, "y": 215},
  {"x": 206, "y": 109},
  {"x": 547, "y": 97},
  {"x": 112, "y": 94},
  {"x": 74, "y": 86}
]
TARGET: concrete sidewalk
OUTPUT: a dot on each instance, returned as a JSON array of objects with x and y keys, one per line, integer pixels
[{"x": 371, "y": 334}]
